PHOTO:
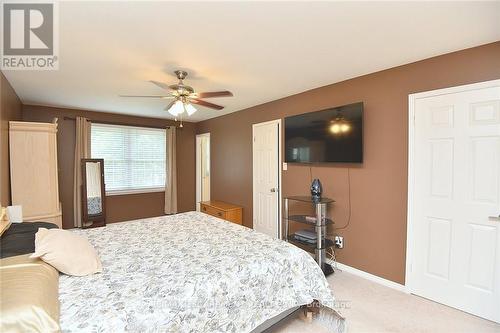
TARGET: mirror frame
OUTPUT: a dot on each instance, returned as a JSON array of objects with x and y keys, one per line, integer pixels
[{"x": 98, "y": 220}]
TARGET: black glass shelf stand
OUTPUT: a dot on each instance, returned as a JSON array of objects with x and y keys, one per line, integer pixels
[{"x": 319, "y": 222}]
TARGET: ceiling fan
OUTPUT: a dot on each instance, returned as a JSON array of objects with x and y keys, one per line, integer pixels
[{"x": 183, "y": 96}]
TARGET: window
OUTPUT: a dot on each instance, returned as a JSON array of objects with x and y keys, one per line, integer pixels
[{"x": 134, "y": 157}]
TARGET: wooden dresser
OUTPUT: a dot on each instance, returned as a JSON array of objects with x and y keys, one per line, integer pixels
[{"x": 223, "y": 210}]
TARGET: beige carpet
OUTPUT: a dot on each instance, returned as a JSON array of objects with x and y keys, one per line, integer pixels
[{"x": 371, "y": 307}]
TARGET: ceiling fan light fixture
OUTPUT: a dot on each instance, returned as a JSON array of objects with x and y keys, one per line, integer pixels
[
  {"x": 183, "y": 96},
  {"x": 190, "y": 109},
  {"x": 176, "y": 109}
]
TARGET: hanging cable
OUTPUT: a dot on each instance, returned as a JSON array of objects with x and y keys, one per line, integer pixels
[{"x": 330, "y": 254}]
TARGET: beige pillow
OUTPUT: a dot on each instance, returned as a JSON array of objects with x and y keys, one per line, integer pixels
[
  {"x": 29, "y": 292},
  {"x": 68, "y": 252}
]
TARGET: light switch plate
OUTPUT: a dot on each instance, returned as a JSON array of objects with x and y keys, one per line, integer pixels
[{"x": 285, "y": 166}]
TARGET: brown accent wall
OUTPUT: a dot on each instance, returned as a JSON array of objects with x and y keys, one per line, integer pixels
[
  {"x": 119, "y": 207},
  {"x": 375, "y": 240},
  {"x": 10, "y": 109}
]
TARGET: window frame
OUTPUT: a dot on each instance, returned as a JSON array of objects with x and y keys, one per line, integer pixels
[{"x": 110, "y": 193}]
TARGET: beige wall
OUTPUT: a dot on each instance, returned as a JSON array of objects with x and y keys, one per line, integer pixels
[
  {"x": 10, "y": 109},
  {"x": 119, "y": 207},
  {"x": 375, "y": 240}
]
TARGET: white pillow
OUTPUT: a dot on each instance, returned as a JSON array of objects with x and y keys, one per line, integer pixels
[{"x": 66, "y": 251}]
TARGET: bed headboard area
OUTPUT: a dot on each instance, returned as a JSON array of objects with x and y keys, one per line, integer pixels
[{"x": 19, "y": 238}]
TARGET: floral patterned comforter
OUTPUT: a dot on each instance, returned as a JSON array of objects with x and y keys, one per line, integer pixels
[{"x": 189, "y": 272}]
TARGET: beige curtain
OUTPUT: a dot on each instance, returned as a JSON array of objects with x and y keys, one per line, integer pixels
[
  {"x": 171, "y": 173},
  {"x": 82, "y": 150}
]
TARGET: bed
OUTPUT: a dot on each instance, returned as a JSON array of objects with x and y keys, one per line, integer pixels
[{"x": 190, "y": 272}]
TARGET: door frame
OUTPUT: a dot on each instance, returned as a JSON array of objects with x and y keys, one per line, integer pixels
[
  {"x": 412, "y": 99},
  {"x": 280, "y": 200},
  {"x": 198, "y": 168}
]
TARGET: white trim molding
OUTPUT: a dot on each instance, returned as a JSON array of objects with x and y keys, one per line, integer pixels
[
  {"x": 135, "y": 191},
  {"x": 369, "y": 276},
  {"x": 412, "y": 98},
  {"x": 198, "y": 167}
]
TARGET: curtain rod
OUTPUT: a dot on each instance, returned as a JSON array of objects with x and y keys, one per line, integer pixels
[{"x": 118, "y": 123}]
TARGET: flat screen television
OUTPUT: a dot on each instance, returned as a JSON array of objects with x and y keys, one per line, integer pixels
[{"x": 333, "y": 135}]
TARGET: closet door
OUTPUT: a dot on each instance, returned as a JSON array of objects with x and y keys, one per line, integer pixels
[{"x": 456, "y": 198}]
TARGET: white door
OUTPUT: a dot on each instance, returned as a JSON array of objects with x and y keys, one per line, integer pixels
[
  {"x": 266, "y": 174},
  {"x": 202, "y": 168},
  {"x": 455, "y": 232}
]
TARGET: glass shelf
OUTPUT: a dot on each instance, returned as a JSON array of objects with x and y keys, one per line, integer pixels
[
  {"x": 321, "y": 244},
  {"x": 309, "y": 199},
  {"x": 309, "y": 247},
  {"x": 302, "y": 219}
]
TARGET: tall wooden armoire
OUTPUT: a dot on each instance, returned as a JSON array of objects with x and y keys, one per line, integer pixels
[{"x": 33, "y": 171}]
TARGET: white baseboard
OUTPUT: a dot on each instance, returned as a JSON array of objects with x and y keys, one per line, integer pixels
[{"x": 371, "y": 277}]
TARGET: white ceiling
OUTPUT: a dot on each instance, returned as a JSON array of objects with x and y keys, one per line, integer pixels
[{"x": 261, "y": 51}]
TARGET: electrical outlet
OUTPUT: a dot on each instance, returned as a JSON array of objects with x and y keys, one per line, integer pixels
[{"x": 339, "y": 242}]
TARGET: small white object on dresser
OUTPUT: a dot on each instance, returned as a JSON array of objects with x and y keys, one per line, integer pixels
[{"x": 15, "y": 214}]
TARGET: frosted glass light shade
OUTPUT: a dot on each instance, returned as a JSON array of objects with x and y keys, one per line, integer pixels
[
  {"x": 176, "y": 109},
  {"x": 190, "y": 109}
]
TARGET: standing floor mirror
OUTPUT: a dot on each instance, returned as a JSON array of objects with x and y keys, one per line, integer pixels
[{"x": 93, "y": 193}]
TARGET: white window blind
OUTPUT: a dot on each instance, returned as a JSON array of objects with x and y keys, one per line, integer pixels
[{"x": 134, "y": 157}]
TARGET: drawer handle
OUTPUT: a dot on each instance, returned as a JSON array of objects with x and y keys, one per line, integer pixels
[
  {"x": 204, "y": 208},
  {"x": 219, "y": 213}
]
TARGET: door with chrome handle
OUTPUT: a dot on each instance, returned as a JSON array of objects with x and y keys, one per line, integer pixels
[{"x": 494, "y": 218}]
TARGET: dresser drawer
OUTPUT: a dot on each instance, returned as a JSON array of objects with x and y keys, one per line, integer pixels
[
  {"x": 223, "y": 210},
  {"x": 213, "y": 211}
]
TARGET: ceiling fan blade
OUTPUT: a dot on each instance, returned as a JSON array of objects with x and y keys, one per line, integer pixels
[
  {"x": 161, "y": 85},
  {"x": 210, "y": 94},
  {"x": 147, "y": 96},
  {"x": 206, "y": 104},
  {"x": 169, "y": 105}
]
